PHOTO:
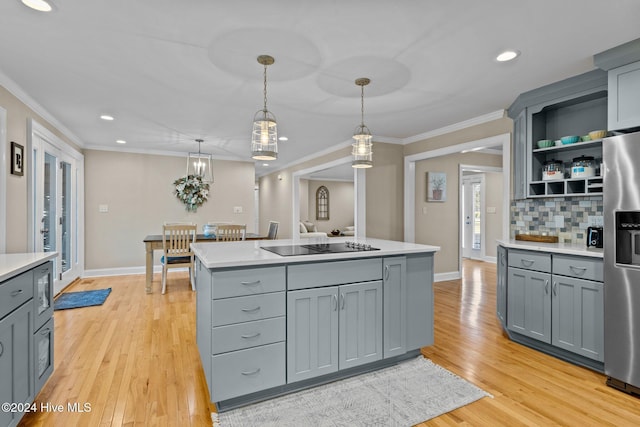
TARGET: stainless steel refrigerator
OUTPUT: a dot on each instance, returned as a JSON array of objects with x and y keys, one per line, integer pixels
[{"x": 621, "y": 156}]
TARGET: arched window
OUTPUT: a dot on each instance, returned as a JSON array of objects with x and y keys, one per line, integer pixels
[{"x": 322, "y": 203}]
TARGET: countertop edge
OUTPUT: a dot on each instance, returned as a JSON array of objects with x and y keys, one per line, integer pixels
[
  {"x": 253, "y": 256},
  {"x": 13, "y": 264},
  {"x": 559, "y": 248}
]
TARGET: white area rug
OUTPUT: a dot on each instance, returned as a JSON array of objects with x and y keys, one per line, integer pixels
[{"x": 402, "y": 395}]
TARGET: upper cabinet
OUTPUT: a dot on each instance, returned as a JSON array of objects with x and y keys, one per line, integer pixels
[
  {"x": 623, "y": 66},
  {"x": 572, "y": 107}
]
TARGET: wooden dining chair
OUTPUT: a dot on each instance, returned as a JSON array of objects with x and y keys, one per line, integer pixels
[
  {"x": 273, "y": 230},
  {"x": 230, "y": 232},
  {"x": 176, "y": 244}
]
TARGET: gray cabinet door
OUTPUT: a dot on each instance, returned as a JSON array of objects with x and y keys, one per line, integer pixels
[
  {"x": 578, "y": 316},
  {"x": 360, "y": 324},
  {"x": 501, "y": 285},
  {"x": 529, "y": 303},
  {"x": 394, "y": 336},
  {"x": 16, "y": 355},
  {"x": 520, "y": 156},
  {"x": 624, "y": 97},
  {"x": 419, "y": 301},
  {"x": 312, "y": 333}
]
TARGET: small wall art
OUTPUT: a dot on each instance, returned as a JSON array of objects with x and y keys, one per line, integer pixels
[
  {"x": 17, "y": 159},
  {"x": 436, "y": 187}
]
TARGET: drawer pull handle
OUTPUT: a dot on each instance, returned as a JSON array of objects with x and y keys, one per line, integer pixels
[
  {"x": 546, "y": 286},
  {"x": 527, "y": 262},
  {"x": 578, "y": 270},
  {"x": 342, "y": 299},
  {"x": 386, "y": 272},
  {"x": 1, "y": 349},
  {"x": 251, "y": 310},
  {"x": 555, "y": 289},
  {"x": 16, "y": 292},
  {"x": 256, "y": 335},
  {"x": 251, "y": 373},
  {"x": 45, "y": 332},
  {"x": 257, "y": 282},
  {"x": 334, "y": 299}
]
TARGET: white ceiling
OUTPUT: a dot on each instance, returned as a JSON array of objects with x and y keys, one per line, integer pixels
[{"x": 174, "y": 71}]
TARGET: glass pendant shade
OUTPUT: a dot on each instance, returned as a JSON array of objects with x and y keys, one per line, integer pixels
[
  {"x": 264, "y": 138},
  {"x": 363, "y": 146},
  {"x": 200, "y": 164}
]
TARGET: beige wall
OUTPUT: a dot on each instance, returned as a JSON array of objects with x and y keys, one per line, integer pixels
[
  {"x": 439, "y": 226},
  {"x": 138, "y": 189},
  {"x": 384, "y": 192},
  {"x": 18, "y": 115},
  {"x": 340, "y": 205},
  {"x": 494, "y": 197}
]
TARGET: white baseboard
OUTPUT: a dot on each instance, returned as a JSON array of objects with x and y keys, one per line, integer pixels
[
  {"x": 443, "y": 277},
  {"x": 491, "y": 259},
  {"x": 125, "y": 271}
]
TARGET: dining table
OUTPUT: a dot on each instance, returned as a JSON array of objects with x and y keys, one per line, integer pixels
[{"x": 153, "y": 242}]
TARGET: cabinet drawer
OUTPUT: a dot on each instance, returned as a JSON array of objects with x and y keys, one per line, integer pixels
[
  {"x": 247, "y": 371},
  {"x": 313, "y": 275},
  {"x": 245, "y": 309},
  {"x": 248, "y": 281},
  {"x": 15, "y": 292},
  {"x": 43, "y": 359},
  {"x": 580, "y": 267},
  {"x": 530, "y": 260},
  {"x": 247, "y": 334}
]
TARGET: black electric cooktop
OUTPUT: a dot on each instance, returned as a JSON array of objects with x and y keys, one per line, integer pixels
[{"x": 319, "y": 248}]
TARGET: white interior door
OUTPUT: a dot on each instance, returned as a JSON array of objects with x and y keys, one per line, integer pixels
[
  {"x": 54, "y": 213},
  {"x": 472, "y": 217}
]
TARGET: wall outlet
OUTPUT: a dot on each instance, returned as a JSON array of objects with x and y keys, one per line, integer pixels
[
  {"x": 237, "y": 209},
  {"x": 491, "y": 209},
  {"x": 424, "y": 210},
  {"x": 103, "y": 208}
]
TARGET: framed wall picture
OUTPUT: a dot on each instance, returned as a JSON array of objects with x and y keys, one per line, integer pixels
[
  {"x": 436, "y": 187},
  {"x": 17, "y": 159}
]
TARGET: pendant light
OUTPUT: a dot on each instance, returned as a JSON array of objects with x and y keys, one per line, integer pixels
[
  {"x": 199, "y": 164},
  {"x": 362, "y": 147},
  {"x": 264, "y": 138}
]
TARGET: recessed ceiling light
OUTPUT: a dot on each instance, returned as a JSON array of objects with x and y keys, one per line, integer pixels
[
  {"x": 106, "y": 117},
  {"x": 283, "y": 138},
  {"x": 507, "y": 55},
  {"x": 39, "y": 5},
  {"x": 265, "y": 164},
  {"x": 121, "y": 141}
]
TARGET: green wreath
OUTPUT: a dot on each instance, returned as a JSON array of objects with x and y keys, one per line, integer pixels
[{"x": 192, "y": 191}]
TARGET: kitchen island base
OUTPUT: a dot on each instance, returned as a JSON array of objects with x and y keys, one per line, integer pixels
[{"x": 268, "y": 325}]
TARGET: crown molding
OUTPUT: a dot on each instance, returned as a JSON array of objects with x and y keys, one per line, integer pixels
[
  {"x": 13, "y": 88},
  {"x": 485, "y": 118}
]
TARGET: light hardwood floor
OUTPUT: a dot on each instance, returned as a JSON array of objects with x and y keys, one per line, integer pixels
[{"x": 135, "y": 361}]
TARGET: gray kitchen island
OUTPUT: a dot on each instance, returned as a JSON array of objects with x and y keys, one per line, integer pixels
[{"x": 276, "y": 316}]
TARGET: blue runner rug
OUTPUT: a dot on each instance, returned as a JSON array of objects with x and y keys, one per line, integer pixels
[{"x": 81, "y": 299}]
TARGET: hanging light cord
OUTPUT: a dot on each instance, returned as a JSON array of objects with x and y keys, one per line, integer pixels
[
  {"x": 265, "y": 89},
  {"x": 362, "y": 105}
]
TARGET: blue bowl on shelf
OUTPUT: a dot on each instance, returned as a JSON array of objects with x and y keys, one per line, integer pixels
[{"x": 570, "y": 139}]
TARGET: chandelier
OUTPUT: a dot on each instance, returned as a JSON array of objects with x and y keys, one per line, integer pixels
[
  {"x": 264, "y": 137},
  {"x": 362, "y": 147},
  {"x": 199, "y": 164}
]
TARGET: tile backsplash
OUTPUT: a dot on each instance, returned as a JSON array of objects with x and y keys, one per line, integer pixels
[{"x": 568, "y": 218}]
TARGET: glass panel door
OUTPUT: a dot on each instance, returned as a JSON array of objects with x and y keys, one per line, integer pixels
[
  {"x": 49, "y": 199},
  {"x": 66, "y": 215}
]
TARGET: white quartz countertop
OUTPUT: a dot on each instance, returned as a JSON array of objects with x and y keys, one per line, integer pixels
[
  {"x": 250, "y": 252},
  {"x": 559, "y": 248},
  {"x": 14, "y": 264}
]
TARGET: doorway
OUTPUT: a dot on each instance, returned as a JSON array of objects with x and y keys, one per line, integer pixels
[
  {"x": 54, "y": 205},
  {"x": 472, "y": 195}
]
